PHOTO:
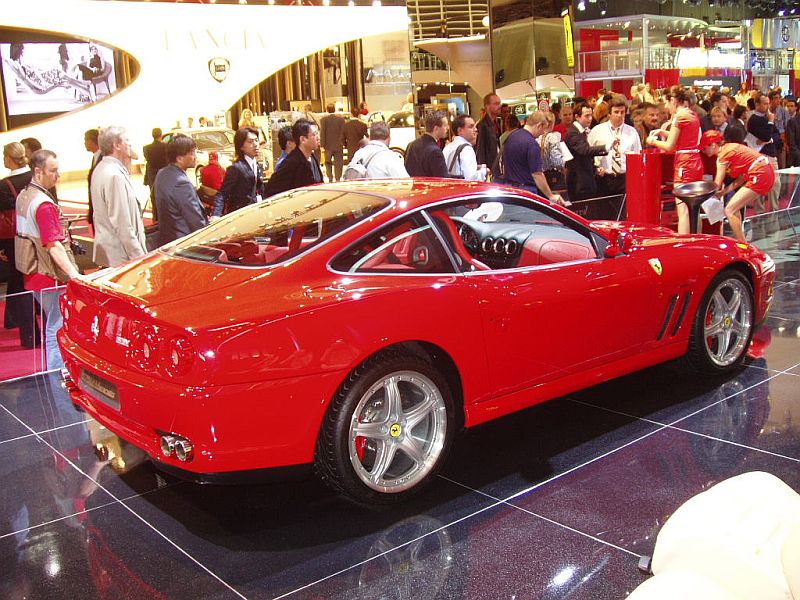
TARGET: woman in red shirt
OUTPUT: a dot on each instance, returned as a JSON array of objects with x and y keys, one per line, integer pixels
[
  {"x": 683, "y": 138},
  {"x": 752, "y": 171}
]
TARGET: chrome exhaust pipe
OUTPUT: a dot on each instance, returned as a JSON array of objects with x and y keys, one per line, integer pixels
[
  {"x": 184, "y": 450},
  {"x": 168, "y": 444}
]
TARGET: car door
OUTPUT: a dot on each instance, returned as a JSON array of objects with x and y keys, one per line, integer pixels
[{"x": 565, "y": 312}]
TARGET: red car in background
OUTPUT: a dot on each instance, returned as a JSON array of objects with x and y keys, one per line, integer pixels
[{"x": 357, "y": 327}]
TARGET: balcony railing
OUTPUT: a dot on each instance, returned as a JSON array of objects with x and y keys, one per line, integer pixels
[{"x": 624, "y": 60}]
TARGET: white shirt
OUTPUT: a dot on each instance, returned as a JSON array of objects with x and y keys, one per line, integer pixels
[
  {"x": 467, "y": 163},
  {"x": 629, "y": 141},
  {"x": 383, "y": 162}
]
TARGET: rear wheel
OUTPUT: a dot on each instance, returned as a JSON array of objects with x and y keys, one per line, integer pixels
[
  {"x": 387, "y": 431},
  {"x": 723, "y": 325}
]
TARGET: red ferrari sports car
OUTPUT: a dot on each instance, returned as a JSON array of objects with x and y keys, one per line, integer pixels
[{"x": 357, "y": 327}]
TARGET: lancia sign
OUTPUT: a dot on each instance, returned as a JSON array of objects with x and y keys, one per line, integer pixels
[{"x": 218, "y": 68}]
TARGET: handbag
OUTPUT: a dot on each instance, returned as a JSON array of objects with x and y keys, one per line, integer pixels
[{"x": 8, "y": 218}]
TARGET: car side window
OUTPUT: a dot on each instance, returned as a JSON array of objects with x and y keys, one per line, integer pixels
[
  {"x": 405, "y": 247},
  {"x": 508, "y": 233}
]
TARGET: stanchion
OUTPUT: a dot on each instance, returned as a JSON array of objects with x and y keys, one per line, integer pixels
[{"x": 644, "y": 186}]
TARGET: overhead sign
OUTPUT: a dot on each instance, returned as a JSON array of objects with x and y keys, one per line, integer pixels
[
  {"x": 709, "y": 82},
  {"x": 568, "y": 41}
]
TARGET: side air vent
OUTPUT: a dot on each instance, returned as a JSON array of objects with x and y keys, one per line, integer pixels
[
  {"x": 686, "y": 298},
  {"x": 667, "y": 316}
]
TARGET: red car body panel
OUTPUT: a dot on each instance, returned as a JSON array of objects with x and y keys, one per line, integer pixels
[{"x": 268, "y": 348}]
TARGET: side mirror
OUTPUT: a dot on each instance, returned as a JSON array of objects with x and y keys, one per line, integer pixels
[{"x": 616, "y": 244}]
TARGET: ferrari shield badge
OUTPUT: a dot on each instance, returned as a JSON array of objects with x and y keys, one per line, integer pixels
[
  {"x": 656, "y": 265},
  {"x": 218, "y": 68}
]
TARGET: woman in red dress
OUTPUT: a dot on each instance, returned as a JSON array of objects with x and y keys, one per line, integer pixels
[
  {"x": 683, "y": 138},
  {"x": 754, "y": 175}
]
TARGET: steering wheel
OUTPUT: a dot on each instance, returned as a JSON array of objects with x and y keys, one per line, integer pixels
[
  {"x": 458, "y": 245},
  {"x": 469, "y": 236}
]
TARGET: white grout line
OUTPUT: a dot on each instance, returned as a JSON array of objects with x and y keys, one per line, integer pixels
[
  {"x": 385, "y": 552},
  {"x": 88, "y": 510},
  {"x": 133, "y": 512},
  {"x": 549, "y": 520},
  {"x": 27, "y": 435},
  {"x": 477, "y": 512}
]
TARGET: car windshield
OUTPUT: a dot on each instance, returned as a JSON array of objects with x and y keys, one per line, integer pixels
[
  {"x": 212, "y": 140},
  {"x": 279, "y": 228}
]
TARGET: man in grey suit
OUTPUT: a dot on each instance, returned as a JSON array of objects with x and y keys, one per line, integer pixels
[
  {"x": 179, "y": 207},
  {"x": 330, "y": 137},
  {"x": 118, "y": 226}
]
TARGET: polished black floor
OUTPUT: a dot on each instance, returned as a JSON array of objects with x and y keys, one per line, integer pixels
[{"x": 558, "y": 501}]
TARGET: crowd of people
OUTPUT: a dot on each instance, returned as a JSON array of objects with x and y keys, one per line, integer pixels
[{"x": 572, "y": 152}]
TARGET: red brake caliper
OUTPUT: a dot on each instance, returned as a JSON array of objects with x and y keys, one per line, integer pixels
[{"x": 361, "y": 443}]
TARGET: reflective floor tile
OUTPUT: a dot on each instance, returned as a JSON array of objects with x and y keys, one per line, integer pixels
[
  {"x": 505, "y": 456},
  {"x": 786, "y": 302},
  {"x": 267, "y": 540},
  {"x": 780, "y": 342},
  {"x": 500, "y": 553},
  {"x": 40, "y": 401},
  {"x": 106, "y": 553},
  {"x": 11, "y": 428},
  {"x": 765, "y": 416},
  {"x": 625, "y": 498},
  {"x": 39, "y": 485}
]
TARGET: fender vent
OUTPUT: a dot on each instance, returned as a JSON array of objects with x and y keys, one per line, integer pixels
[
  {"x": 686, "y": 298},
  {"x": 668, "y": 316}
]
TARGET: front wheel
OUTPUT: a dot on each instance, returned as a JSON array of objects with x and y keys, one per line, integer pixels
[
  {"x": 387, "y": 431},
  {"x": 723, "y": 325}
]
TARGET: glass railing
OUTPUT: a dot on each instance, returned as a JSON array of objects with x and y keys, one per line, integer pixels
[
  {"x": 611, "y": 61},
  {"x": 425, "y": 61}
]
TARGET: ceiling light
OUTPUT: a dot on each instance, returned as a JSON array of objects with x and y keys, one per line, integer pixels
[
  {"x": 485, "y": 21},
  {"x": 582, "y": 5}
]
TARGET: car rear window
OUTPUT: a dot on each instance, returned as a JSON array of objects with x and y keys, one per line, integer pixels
[
  {"x": 212, "y": 140},
  {"x": 279, "y": 228}
]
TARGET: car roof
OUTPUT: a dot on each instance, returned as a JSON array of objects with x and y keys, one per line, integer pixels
[
  {"x": 417, "y": 192},
  {"x": 199, "y": 129}
]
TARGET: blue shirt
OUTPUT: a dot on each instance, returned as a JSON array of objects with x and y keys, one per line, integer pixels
[{"x": 521, "y": 157}]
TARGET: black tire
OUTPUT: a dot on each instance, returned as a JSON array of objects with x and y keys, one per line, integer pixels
[
  {"x": 383, "y": 390},
  {"x": 723, "y": 325}
]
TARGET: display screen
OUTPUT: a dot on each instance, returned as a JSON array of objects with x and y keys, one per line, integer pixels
[{"x": 53, "y": 77}]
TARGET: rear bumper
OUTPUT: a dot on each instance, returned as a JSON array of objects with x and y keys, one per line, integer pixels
[{"x": 240, "y": 427}]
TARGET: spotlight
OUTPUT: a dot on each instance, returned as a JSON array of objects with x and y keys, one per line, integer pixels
[
  {"x": 581, "y": 5},
  {"x": 603, "y": 6}
]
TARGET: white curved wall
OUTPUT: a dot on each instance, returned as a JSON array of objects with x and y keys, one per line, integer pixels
[{"x": 173, "y": 44}]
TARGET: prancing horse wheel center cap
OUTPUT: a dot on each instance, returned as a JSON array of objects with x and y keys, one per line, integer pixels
[
  {"x": 727, "y": 322},
  {"x": 395, "y": 430}
]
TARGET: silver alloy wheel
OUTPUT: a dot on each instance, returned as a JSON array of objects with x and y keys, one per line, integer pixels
[
  {"x": 728, "y": 321},
  {"x": 397, "y": 431}
]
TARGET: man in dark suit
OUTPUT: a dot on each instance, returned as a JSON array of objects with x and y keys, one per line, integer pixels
[
  {"x": 244, "y": 179},
  {"x": 353, "y": 132},
  {"x": 489, "y": 132},
  {"x": 792, "y": 133},
  {"x": 424, "y": 157},
  {"x": 178, "y": 204},
  {"x": 155, "y": 156},
  {"x": 330, "y": 132},
  {"x": 761, "y": 125},
  {"x": 581, "y": 181},
  {"x": 91, "y": 142},
  {"x": 301, "y": 167}
]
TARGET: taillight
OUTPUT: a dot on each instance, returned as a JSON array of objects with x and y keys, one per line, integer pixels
[
  {"x": 145, "y": 348},
  {"x": 65, "y": 305},
  {"x": 178, "y": 356}
]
